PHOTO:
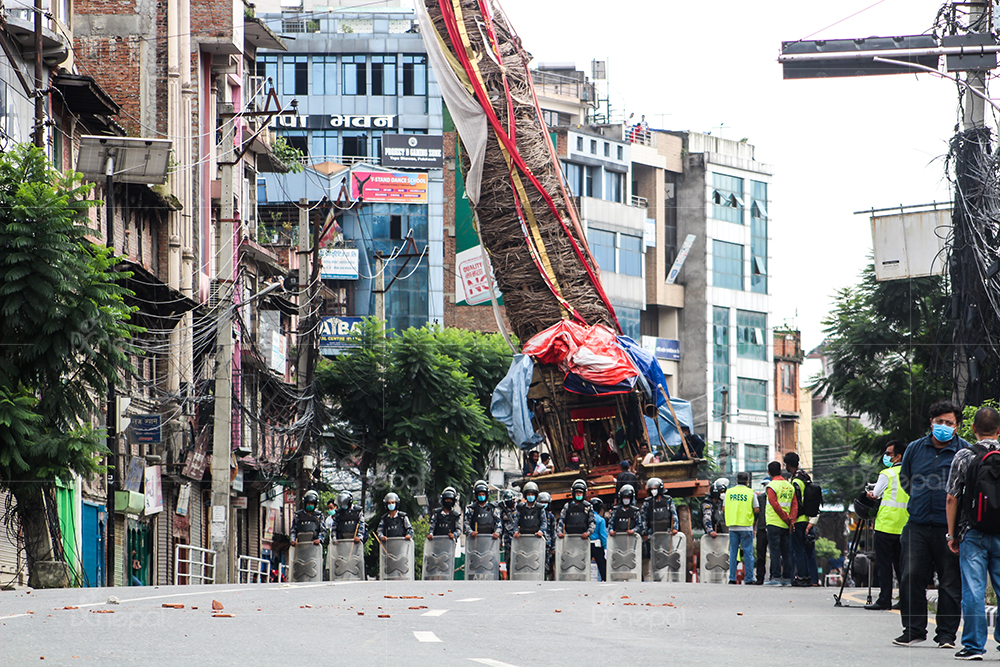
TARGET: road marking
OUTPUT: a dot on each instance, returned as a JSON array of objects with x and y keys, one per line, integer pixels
[
  {"x": 608, "y": 584},
  {"x": 469, "y": 600},
  {"x": 15, "y": 616},
  {"x": 491, "y": 663},
  {"x": 434, "y": 612},
  {"x": 425, "y": 636},
  {"x": 524, "y": 593},
  {"x": 550, "y": 590}
]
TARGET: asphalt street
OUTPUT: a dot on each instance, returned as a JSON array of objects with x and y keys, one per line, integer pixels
[{"x": 457, "y": 623}]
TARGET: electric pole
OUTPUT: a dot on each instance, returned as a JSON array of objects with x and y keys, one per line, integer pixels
[
  {"x": 304, "y": 360},
  {"x": 223, "y": 425},
  {"x": 379, "y": 285},
  {"x": 39, "y": 76}
]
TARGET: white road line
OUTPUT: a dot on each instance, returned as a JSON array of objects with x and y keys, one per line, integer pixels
[
  {"x": 434, "y": 612},
  {"x": 491, "y": 663},
  {"x": 550, "y": 590},
  {"x": 14, "y": 616},
  {"x": 524, "y": 593},
  {"x": 425, "y": 636},
  {"x": 469, "y": 600}
]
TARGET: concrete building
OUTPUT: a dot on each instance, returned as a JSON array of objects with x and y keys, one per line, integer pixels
[{"x": 788, "y": 409}]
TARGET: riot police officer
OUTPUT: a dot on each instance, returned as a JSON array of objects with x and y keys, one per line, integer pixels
[
  {"x": 713, "y": 516},
  {"x": 394, "y": 523},
  {"x": 507, "y": 512},
  {"x": 530, "y": 517},
  {"x": 482, "y": 516},
  {"x": 445, "y": 519},
  {"x": 308, "y": 520},
  {"x": 577, "y": 516},
  {"x": 626, "y": 517},
  {"x": 550, "y": 536},
  {"x": 658, "y": 512},
  {"x": 348, "y": 523}
]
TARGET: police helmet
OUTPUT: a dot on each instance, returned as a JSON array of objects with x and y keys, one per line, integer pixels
[
  {"x": 544, "y": 498},
  {"x": 530, "y": 487},
  {"x": 345, "y": 499},
  {"x": 627, "y": 491},
  {"x": 449, "y": 493},
  {"x": 507, "y": 497},
  {"x": 310, "y": 497},
  {"x": 390, "y": 498},
  {"x": 579, "y": 485},
  {"x": 654, "y": 483},
  {"x": 481, "y": 487},
  {"x": 719, "y": 486},
  {"x": 597, "y": 504}
]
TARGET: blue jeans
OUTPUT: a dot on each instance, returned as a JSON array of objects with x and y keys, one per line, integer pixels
[
  {"x": 780, "y": 552},
  {"x": 803, "y": 555},
  {"x": 741, "y": 539},
  {"x": 979, "y": 555}
]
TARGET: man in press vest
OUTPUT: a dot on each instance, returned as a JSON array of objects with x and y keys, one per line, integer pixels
[
  {"x": 781, "y": 512},
  {"x": 741, "y": 508},
  {"x": 889, "y": 522}
]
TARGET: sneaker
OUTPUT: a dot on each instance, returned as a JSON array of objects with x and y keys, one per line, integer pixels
[
  {"x": 906, "y": 640},
  {"x": 799, "y": 583},
  {"x": 786, "y": 582},
  {"x": 732, "y": 582},
  {"x": 966, "y": 654},
  {"x": 749, "y": 583},
  {"x": 773, "y": 582},
  {"x": 946, "y": 643}
]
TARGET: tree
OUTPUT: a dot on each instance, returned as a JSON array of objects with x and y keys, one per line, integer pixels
[
  {"x": 886, "y": 344},
  {"x": 63, "y": 324}
]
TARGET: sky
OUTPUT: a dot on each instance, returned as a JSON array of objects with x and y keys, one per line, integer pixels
[{"x": 836, "y": 145}]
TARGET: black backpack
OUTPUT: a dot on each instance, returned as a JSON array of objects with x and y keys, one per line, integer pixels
[
  {"x": 811, "y": 496},
  {"x": 982, "y": 490}
]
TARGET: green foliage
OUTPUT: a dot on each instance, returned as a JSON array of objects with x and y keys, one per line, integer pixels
[
  {"x": 421, "y": 526},
  {"x": 885, "y": 358},
  {"x": 826, "y": 548},
  {"x": 964, "y": 429},
  {"x": 63, "y": 322},
  {"x": 289, "y": 155}
]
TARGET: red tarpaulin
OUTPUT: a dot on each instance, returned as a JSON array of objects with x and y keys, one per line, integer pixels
[{"x": 593, "y": 353}]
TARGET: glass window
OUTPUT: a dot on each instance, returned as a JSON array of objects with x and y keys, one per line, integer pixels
[
  {"x": 579, "y": 144},
  {"x": 377, "y": 143},
  {"x": 607, "y": 149},
  {"x": 628, "y": 318},
  {"x": 593, "y": 146},
  {"x": 630, "y": 255},
  {"x": 355, "y": 75},
  {"x": 720, "y": 356},
  {"x": 355, "y": 144},
  {"x": 267, "y": 67},
  {"x": 414, "y": 75},
  {"x": 602, "y": 244},
  {"x": 752, "y": 394},
  {"x": 297, "y": 139},
  {"x": 758, "y": 237},
  {"x": 383, "y": 75},
  {"x": 621, "y": 152},
  {"x": 727, "y": 198},
  {"x": 574, "y": 177},
  {"x": 588, "y": 181},
  {"x": 325, "y": 143},
  {"x": 295, "y": 75},
  {"x": 727, "y": 265},
  {"x": 613, "y": 186},
  {"x": 787, "y": 385},
  {"x": 755, "y": 458},
  {"x": 751, "y": 335},
  {"x": 324, "y": 75}
]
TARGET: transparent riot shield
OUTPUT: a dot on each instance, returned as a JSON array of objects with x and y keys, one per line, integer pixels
[
  {"x": 482, "y": 558},
  {"x": 439, "y": 559},
  {"x": 624, "y": 557},
  {"x": 572, "y": 558},
  {"x": 308, "y": 565},
  {"x": 396, "y": 559},
  {"x": 346, "y": 560},
  {"x": 527, "y": 558},
  {"x": 714, "y": 559},
  {"x": 668, "y": 557}
]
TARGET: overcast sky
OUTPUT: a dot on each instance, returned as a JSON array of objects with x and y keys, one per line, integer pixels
[{"x": 836, "y": 145}]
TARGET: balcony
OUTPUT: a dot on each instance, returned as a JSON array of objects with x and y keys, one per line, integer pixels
[
  {"x": 20, "y": 24},
  {"x": 557, "y": 86}
]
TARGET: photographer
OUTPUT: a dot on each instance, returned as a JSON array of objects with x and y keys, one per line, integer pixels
[{"x": 889, "y": 522}]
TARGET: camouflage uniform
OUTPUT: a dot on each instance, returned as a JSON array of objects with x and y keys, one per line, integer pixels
[
  {"x": 339, "y": 517},
  {"x": 592, "y": 525},
  {"x": 508, "y": 520},
  {"x": 632, "y": 516},
  {"x": 550, "y": 541},
  {"x": 304, "y": 517},
  {"x": 470, "y": 517},
  {"x": 382, "y": 524},
  {"x": 713, "y": 518},
  {"x": 444, "y": 521},
  {"x": 647, "y": 513}
]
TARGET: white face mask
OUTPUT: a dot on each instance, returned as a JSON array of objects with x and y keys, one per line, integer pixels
[
  {"x": 654, "y": 492},
  {"x": 626, "y": 501}
]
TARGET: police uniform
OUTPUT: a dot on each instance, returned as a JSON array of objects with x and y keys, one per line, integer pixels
[
  {"x": 445, "y": 521},
  {"x": 482, "y": 518},
  {"x": 507, "y": 515},
  {"x": 628, "y": 518},
  {"x": 576, "y": 518},
  {"x": 346, "y": 523},
  {"x": 659, "y": 515},
  {"x": 550, "y": 540},
  {"x": 531, "y": 519},
  {"x": 394, "y": 526},
  {"x": 889, "y": 522},
  {"x": 308, "y": 522},
  {"x": 712, "y": 516}
]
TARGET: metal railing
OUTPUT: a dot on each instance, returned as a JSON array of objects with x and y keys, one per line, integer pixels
[
  {"x": 346, "y": 160},
  {"x": 200, "y": 565},
  {"x": 641, "y": 202},
  {"x": 250, "y": 570},
  {"x": 558, "y": 85}
]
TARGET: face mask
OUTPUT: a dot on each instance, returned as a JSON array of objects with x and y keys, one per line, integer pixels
[
  {"x": 329, "y": 512},
  {"x": 391, "y": 506},
  {"x": 310, "y": 508},
  {"x": 530, "y": 499},
  {"x": 578, "y": 496},
  {"x": 481, "y": 499},
  {"x": 942, "y": 433},
  {"x": 654, "y": 492},
  {"x": 886, "y": 461},
  {"x": 448, "y": 503},
  {"x": 543, "y": 505},
  {"x": 626, "y": 501}
]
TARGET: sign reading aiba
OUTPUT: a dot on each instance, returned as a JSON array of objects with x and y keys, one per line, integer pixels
[{"x": 335, "y": 334}]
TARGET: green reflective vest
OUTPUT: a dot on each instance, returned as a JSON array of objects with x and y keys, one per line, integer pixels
[
  {"x": 892, "y": 514},
  {"x": 785, "y": 493},
  {"x": 739, "y": 506},
  {"x": 801, "y": 486}
]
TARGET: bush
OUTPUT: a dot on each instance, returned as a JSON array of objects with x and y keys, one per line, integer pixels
[{"x": 826, "y": 548}]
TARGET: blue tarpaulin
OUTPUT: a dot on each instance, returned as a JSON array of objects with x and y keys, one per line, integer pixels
[
  {"x": 649, "y": 366},
  {"x": 510, "y": 402},
  {"x": 671, "y": 435}
]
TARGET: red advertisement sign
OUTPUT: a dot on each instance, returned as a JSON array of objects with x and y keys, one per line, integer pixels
[{"x": 388, "y": 187}]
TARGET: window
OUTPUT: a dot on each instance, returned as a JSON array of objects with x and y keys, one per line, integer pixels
[
  {"x": 727, "y": 198},
  {"x": 325, "y": 143},
  {"x": 751, "y": 394},
  {"x": 787, "y": 384},
  {"x": 574, "y": 177},
  {"x": 588, "y": 181},
  {"x": 377, "y": 143},
  {"x": 602, "y": 244},
  {"x": 613, "y": 186},
  {"x": 755, "y": 458},
  {"x": 593, "y": 146},
  {"x": 607, "y": 149},
  {"x": 395, "y": 226},
  {"x": 727, "y": 265},
  {"x": 414, "y": 75},
  {"x": 383, "y": 75},
  {"x": 355, "y": 75},
  {"x": 720, "y": 356},
  {"x": 621, "y": 152},
  {"x": 355, "y": 144},
  {"x": 295, "y": 75},
  {"x": 628, "y": 318},
  {"x": 579, "y": 144},
  {"x": 758, "y": 237},
  {"x": 325, "y": 76},
  {"x": 267, "y": 67},
  {"x": 630, "y": 255},
  {"x": 750, "y": 335},
  {"x": 297, "y": 139}
]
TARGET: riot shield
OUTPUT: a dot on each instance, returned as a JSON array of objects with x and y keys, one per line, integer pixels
[
  {"x": 396, "y": 559},
  {"x": 439, "y": 559},
  {"x": 714, "y": 559},
  {"x": 572, "y": 558},
  {"x": 346, "y": 560},
  {"x": 482, "y": 558},
  {"x": 527, "y": 558},
  {"x": 668, "y": 557},
  {"x": 624, "y": 557},
  {"x": 308, "y": 560}
]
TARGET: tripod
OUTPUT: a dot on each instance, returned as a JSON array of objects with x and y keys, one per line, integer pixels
[{"x": 864, "y": 527}]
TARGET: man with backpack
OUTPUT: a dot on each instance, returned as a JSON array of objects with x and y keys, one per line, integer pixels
[
  {"x": 889, "y": 522},
  {"x": 974, "y": 527},
  {"x": 804, "y": 531}
]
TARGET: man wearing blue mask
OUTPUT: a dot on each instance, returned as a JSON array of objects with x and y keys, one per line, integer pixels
[
  {"x": 889, "y": 523},
  {"x": 924, "y": 541}
]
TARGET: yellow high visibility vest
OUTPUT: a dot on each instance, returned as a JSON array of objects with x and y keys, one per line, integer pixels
[
  {"x": 892, "y": 514},
  {"x": 739, "y": 506},
  {"x": 785, "y": 493},
  {"x": 801, "y": 486}
]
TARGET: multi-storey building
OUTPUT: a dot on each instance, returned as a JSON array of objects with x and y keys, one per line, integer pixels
[{"x": 788, "y": 405}]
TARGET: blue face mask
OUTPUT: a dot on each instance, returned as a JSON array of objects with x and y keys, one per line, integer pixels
[
  {"x": 481, "y": 499},
  {"x": 886, "y": 461},
  {"x": 391, "y": 506},
  {"x": 942, "y": 433},
  {"x": 530, "y": 499}
]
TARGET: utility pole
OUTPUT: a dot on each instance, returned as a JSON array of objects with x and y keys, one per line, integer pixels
[
  {"x": 39, "y": 75},
  {"x": 725, "y": 423},
  {"x": 304, "y": 361},
  {"x": 379, "y": 285},
  {"x": 223, "y": 425},
  {"x": 111, "y": 421}
]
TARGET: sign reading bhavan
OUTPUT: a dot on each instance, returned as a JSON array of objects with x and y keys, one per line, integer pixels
[{"x": 413, "y": 151}]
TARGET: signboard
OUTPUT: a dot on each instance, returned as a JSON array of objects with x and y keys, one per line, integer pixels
[
  {"x": 133, "y": 474},
  {"x": 269, "y": 525},
  {"x": 681, "y": 256},
  {"x": 471, "y": 286},
  {"x": 240, "y": 502},
  {"x": 339, "y": 263},
  {"x": 147, "y": 428},
  {"x": 649, "y": 233},
  {"x": 154, "y": 490},
  {"x": 663, "y": 348},
  {"x": 389, "y": 187},
  {"x": 472, "y": 273},
  {"x": 910, "y": 245},
  {"x": 413, "y": 151},
  {"x": 338, "y": 122},
  {"x": 183, "y": 499},
  {"x": 276, "y": 360},
  {"x": 335, "y": 333}
]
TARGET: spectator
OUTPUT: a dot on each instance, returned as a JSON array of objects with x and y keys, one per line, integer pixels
[
  {"x": 761, "y": 560},
  {"x": 626, "y": 476},
  {"x": 924, "y": 543},
  {"x": 694, "y": 443},
  {"x": 971, "y": 536},
  {"x": 599, "y": 538},
  {"x": 530, "y": 463},
  {"x": 803, "y": 548},
  {"x": 648, "y": 457},
  {"x": 781, "y": 512},
  {"x": 889, "y": 522},
  {"x": 544, "y": 466},
  {"x": 741, "y": 509}
]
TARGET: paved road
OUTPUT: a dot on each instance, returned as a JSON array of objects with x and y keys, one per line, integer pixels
[{"x": 460, "y": 624}]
